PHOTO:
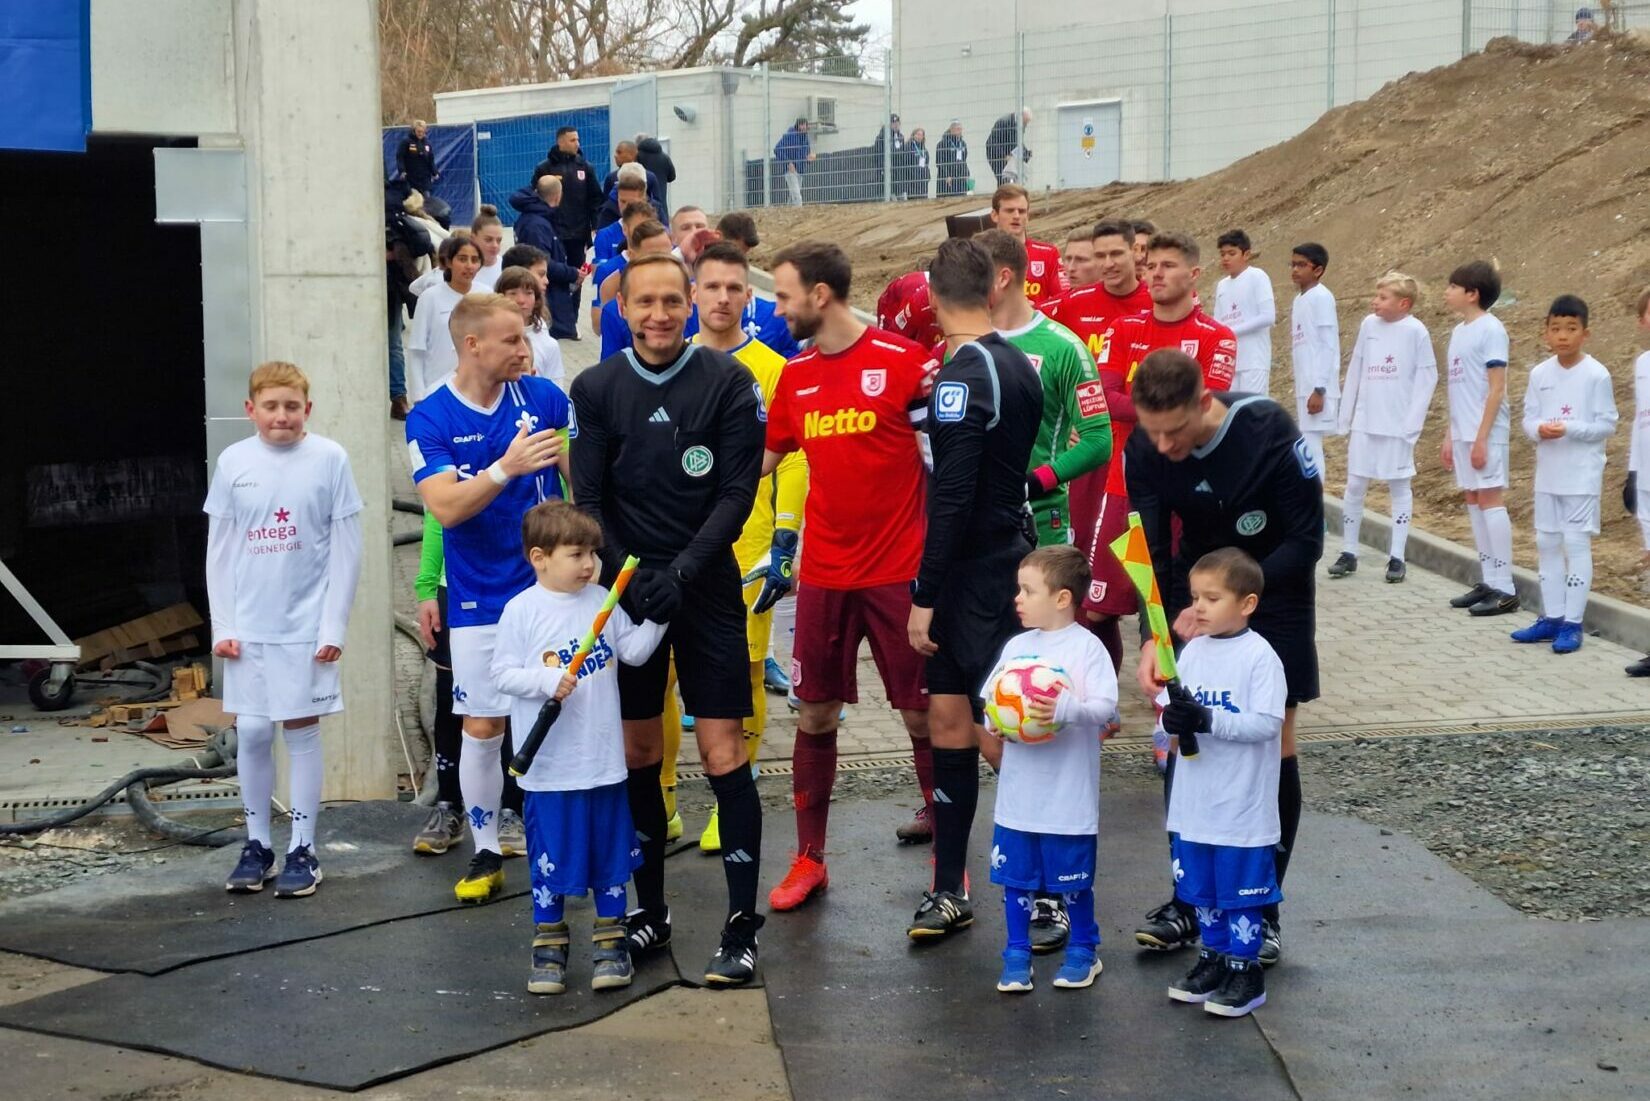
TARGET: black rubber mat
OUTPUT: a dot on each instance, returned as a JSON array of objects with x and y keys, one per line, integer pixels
[
  {"x": 159, "y": 916},
  {"x": 859, "y": 1011},
  {"x": 351, "y": 1010}
]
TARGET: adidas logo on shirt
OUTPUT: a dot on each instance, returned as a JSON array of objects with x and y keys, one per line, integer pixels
[
  {"x": 659, "y": 416},
  {"x": 1204, "y": 487}
]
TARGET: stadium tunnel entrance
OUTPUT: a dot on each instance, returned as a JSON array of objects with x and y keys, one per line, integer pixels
[{"x": 103, "y": 464}]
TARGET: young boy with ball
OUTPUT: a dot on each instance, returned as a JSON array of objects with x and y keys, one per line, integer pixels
[
  {"x": 580, "y": 836},
  {"x": 1223, "y": 807},
  {"x": 1052, "y": 690}
]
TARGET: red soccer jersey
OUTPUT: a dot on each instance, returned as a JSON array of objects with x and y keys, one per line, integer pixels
[
  {"x": 906, "y": 309},
  {"x": 1090, "y": 311},
  {"x": 1045, "y": 280},
  {"x": 854, "y": 415},
  {"x": 1127, "y": 343}
]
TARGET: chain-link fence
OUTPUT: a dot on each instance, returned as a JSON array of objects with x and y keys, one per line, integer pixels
[{"x": 1098, "y": 96}]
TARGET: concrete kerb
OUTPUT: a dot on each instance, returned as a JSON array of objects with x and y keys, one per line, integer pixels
[{"x": 1607, "y": 617}]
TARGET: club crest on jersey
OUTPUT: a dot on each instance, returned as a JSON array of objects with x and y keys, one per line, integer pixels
[
  {"x": 950, "y": 402},
  {"x": 572, "y": 423},
  {"x": 697, "y": 461},
  {"x": 1036, "y": 363},
  {"x": 761, "y": 406},
  {"x": 1251, "y": 523},
  {"x": 873, "y": 381},
  {"x": 1036, "y": 267},
  {"x": 1307, "y": 461},
  {"x": 527, "y": 421},
  {"x": 1097, "y": 591},
  {"x": 1189, "y": 347}
]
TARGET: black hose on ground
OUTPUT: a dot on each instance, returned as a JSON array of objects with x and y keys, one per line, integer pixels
[
  {"x": 406, "y": 538},
  {"x": 407, "y": 504}
]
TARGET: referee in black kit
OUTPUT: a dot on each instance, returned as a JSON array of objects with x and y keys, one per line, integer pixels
[
  {"x": 667, "y": 452},
  {"x": 1235, "y": 471}
]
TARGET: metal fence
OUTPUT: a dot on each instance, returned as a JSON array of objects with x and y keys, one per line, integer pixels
[{"x": 1103, "y": 98}]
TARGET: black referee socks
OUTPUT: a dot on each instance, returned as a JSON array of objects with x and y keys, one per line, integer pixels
[
  {"x": 739, "y": 809},
  {"x": 647, "y": 814},
  {"x": 956, "y": 795},
  {"x": 1289, "y": 820}
]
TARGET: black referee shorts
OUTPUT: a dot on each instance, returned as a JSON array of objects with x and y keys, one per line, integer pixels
[
  {"x": 1290, "y": 627},
  {"x": 974, "y": 618},
  {"x": 707, "y": 638}
]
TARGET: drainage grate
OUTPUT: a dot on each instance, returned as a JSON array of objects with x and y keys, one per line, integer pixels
[{"x": 209, "y": 796}]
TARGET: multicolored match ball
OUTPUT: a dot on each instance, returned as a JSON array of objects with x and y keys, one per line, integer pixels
[{"x": 1021, "y": 681}]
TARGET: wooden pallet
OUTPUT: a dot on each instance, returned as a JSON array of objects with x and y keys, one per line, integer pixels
[{"x": 168, "y": 631}]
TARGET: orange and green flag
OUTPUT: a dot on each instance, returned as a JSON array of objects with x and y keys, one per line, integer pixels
[{"x": 1131, "y": 550}]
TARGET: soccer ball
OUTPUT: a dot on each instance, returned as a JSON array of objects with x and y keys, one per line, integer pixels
[{"x": 1019, "y": 681}]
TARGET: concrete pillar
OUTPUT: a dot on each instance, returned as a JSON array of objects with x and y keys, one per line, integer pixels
[{"x": 307, "y": 110}]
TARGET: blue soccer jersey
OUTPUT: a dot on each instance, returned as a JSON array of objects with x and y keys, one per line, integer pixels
[{"x": 485, "y": 566}]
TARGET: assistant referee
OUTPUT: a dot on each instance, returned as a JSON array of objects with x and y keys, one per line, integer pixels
[{"x": 1235, "y": 471}]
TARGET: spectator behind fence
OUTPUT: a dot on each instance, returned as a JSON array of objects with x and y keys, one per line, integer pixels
[
  {"x": 415, "y": 159},
  {"x": 951, "y": 162},
  {"x": 911, "y": 167},
  {"x": 536, "y": 226},
  {"x": 1005, "y": 147},
  {"x": 625, "y": 153},
  {"x": 792, "y": 156},
  {"x": 1585, "y": 27},
  {"x": 653, "y": 157},
  {"x": 581, "y": 193},
  {"x": 885, "y": 152}
]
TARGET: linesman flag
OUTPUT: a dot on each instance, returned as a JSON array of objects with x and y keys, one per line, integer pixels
[{"x": 1131, "y": 550}]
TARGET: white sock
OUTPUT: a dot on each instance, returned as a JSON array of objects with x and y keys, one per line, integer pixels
[
  {"x": 255, "y": 765},
  {"x": 481, "y": 779},
  {"x": 1578, "y": 578},
  {"x": 1403, "y": 506},
  {"x": 1498, "y": 533},
  {"x": 1352, "y": 512},
  {"x": 303, "y": 755},
  {"x": 1314, "y": 442},
  {"x": 1549, "y": 546},
  {"x": 1481, "y": 541}
]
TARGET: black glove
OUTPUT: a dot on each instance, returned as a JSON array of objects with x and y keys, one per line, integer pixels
[
  {"x": 1630, "y": 493},
  {"x": 655, "y": 595},
  {"x": 1185, "y": 716},
  {"x": 776, "y": 578}
]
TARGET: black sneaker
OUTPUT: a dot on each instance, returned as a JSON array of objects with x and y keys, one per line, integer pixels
[
  {"x": 1243, "y": 991},
  {"x": 645, "y": 932},
  {"x": 1207, "y": 975},
  {"x": 734, "y": 963},
  {"x": 1394, "y": 570},
  {"x": 255, "y": 868},
  {"x": 1496, "y": 603},
  {"x": 940, "y": 913},
  {"x": 1640, "y": 668},
  {"x": 1271, "y": 943},
  {"x": 300, "y": 875},
  {"x": 1168, "y": 927},
  {"x": 1050, "y": 925},
  {"x": 1345, "y": 564},
  {"x": 1471, "y": 596}
]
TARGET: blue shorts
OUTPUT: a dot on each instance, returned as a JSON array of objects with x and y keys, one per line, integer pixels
[
  {"x": 580, "y": 841},
  {"x": 1060, "y": 863},
  {"x": 1228, "y": 876}
]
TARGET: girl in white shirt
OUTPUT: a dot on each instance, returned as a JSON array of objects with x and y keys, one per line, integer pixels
[
  {"x": 431, "y": 354},
  {"x": 489, "y": 234},
  {"x": 523, "y": 288}
]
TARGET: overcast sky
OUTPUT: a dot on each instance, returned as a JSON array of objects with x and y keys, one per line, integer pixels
[{"x": 880, "y": 15}]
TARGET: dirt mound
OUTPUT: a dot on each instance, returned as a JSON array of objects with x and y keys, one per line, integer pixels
[{"x": 1535, "y": 156}]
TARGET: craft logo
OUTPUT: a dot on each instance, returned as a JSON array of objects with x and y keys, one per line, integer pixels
[
  {"x": 842, "y": 422},
  {"x": 276, "y": 538},
  {"x": 697, "y": 461},
  {"x": 873, "y": 382}
]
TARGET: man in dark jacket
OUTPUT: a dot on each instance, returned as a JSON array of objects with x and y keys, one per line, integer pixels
[
  {"x": 657, "y": 161},
  {"x": 536, "y": 226},
  {"x": 1000, "y": 144},
  {"x": 951, "y": 162},
  {"x": 581, "y": 193},
  {"x": 625, "y": 153},
  {"x": 618, "y": 198},
  {"x": 881, "y": 154},
  {"x": 415, "y": 159}
]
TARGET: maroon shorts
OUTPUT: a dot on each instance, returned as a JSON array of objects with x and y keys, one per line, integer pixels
[
  {"x": 1110, "y": 592},
  {"x": 831, "y": 623}
]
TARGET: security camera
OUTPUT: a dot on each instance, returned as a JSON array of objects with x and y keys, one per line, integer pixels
[{"x": 685, "y": 113}]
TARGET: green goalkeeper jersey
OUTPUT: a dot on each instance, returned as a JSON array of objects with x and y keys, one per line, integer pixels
[{"x": 1075, "y": 436}]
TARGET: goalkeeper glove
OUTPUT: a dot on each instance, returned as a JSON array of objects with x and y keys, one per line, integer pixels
[
  {"x": 776, "y": 580},
  {"x": 1041, "y": 482},
  {"x": 1185, "y": 718}
]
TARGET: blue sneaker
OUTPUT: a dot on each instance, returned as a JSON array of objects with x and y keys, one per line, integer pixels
[
  {"x": 774, "y": 678},
  {"x": 1545, "y": 629},
  {"x": 255, "y": 868},
  {"x": 300, "y": 875},
  {"x": 687, "y": 724},
  {"x": 1016, "y": 977},
  {"x": 1569, "y": 638},
  {"x": 1080, "y": 968}
]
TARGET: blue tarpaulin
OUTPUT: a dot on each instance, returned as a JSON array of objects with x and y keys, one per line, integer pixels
[
  {"x": 455, "y": 159},
  {"x": 45, "y": 74}
]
